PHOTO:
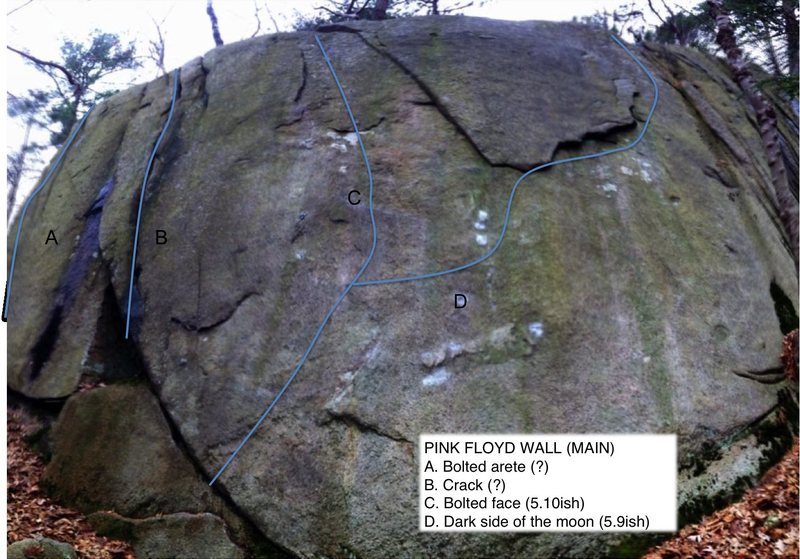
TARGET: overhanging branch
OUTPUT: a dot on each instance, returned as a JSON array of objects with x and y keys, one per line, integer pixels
[{"x": 47, "y": 63}]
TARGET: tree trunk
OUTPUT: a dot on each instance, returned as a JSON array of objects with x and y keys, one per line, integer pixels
[
  {"x": 767, "y": 123},
  {"x": 381, "y": 6},
  {"x": 792, "y": 36},
  {"x": 214, "y": 23},
  {"x": 772, "y": 54}
]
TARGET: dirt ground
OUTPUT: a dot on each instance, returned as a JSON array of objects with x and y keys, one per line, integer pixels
[{"x": 762, "y": 525}]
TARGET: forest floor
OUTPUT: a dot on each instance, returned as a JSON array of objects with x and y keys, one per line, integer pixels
[
  {"x": 763, "y": 524},
  {"x": 32, "y": 513}
]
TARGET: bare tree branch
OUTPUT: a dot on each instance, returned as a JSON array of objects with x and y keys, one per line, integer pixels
[
  {"x": 655, "y": 12},
  {"x": 19, "y": 7},
  {"x": 380, "y": 8},
  {"x": 214, "y": 23},
  {"x": 258, "y": 19},
  {"x": 269, "y": 13},
  {"x": 457, "y": 7},
  {"x": 47, "y": 63},
  {"x": 158, "y": 48},
  {"x": 669, "y": 11}
]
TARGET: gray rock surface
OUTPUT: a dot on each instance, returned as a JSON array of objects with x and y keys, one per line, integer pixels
[
  {"x": 40, "y": 548},
  {"x": 646, "y": 274},
  {"x": 170, "y": 536}
]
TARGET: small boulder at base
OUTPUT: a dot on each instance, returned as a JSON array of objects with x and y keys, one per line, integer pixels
[
  {"x": 178, "y": 536},
  {"x": 40, "y": 548}
]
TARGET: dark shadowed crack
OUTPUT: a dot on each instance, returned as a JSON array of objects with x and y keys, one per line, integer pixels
[
  {"x": 141, "y": 97},
  {"x": 300, "y": 112},
  {"x": 714, "y": 173},
  {"x": 337, "y": 28},
  {"x": 193, "y": 327},
  {"x": 713, "y": 120},
  {"x": 773, "y": 375},
  {"x": 354, "y": 421},
  {"x": 302, "y": 87},
  {"x": 611, "y": 134},
  {"x": 349, "y": 130},
  {"x": 80, "y": 171},
  {"x": 258, "y": 543},
  {"x": 203, "y": 80},
  {"x": 85, "y": 254}
]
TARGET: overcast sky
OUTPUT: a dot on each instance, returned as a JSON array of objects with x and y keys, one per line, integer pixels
[{"x": 39, "y": 27}]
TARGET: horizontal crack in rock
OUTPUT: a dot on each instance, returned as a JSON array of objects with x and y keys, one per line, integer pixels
[
  {"x": 192, "y": 327},
  {"x": 355, "y": 421}
]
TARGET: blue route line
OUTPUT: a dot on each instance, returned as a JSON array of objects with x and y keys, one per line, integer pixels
[
  {"x": 523, "y": 177},
  {"x": 346, "y": 290},
  {"x": 175, "y": 78},
  {"x": 355, "y": 281},
  {"x": 28, "y": 203}
]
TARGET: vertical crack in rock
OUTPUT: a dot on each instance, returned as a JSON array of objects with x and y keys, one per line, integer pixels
[
  {"x": 713, "y": 120},
  {"x": 302, "y": 87},
  {"x": 299, "y": 110},
  {"x": 718, "y": 128},
  {"x": 435, "y": 101},
  {"x": 85, "y": 253},
  {"x": 137, "y": 363},
  {"x": 169, "y": 151},
  {"x": 203, "y": 80}
]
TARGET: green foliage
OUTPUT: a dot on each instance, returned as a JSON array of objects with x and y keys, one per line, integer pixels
[
  {"x": 13, "y": 170},
  {"x": 753, "y": 17},
  {"x": 64, "y": 113},
  {"x": 104, "y": 55},
  {"x": 686, "y": 28},
  {"x": 81, "y": 66},
  {"x": 28, "y": 107},
  {"x": 766, "y": 30},
  {"x": 340, "y": 11},
  {"x": 787, "y": 85},
  {"x": 309, "y": 23}
]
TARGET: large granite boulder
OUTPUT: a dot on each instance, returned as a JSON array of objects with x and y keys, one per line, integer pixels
[{"x": 628, "y": 293}]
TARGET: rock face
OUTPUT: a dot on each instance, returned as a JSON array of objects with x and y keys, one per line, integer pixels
[
  {"x": 41, "y": 548},
  {"x": 627, "y": 294},
  {"x": 178, "y": 536}
]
